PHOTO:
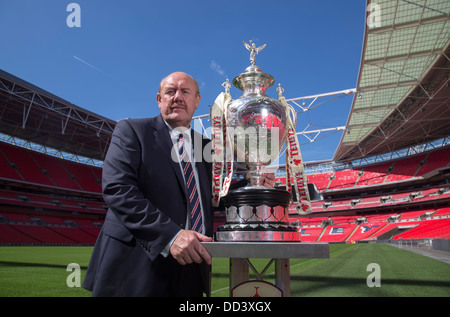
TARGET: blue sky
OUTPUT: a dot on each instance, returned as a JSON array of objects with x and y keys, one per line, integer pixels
[{"x": 112, "y": 64}]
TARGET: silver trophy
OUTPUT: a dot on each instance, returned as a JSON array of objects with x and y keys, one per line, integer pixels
[{"x": 258, "y": 125}]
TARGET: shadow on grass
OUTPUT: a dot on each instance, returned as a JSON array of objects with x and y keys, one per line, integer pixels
[
  {"x": 28, "y": 264},
  {"x": 349, "y": 281},
  {"x": 303, "y": 285}
]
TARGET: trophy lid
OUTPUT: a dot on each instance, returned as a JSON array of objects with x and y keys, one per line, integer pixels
[{"x": 253, "y": 81}]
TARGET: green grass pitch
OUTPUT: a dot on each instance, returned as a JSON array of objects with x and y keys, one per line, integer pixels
[{"x": 43, "y": 272}]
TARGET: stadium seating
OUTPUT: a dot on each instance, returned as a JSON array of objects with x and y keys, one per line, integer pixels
[
  {"x": 42, "y": 234},
  {"x": 76, "y": 235},
  {"x": 415, "y": 203},
  {"x": 16, "y": 217},
  {"x": 441, "y": 213},
  {"x": 47, "y": 202},
  {"x": 84, "y": 175},
  {"x": 320, "y": 180},
  {"x": 344, "y": 179},
  {"x": 23, "y": 164},
  {"x": 34, "y": 167},
  {"x": 374, "y": 174},
  {"x": 392, "y": 171},
  {"x": 310, "y": 234},
  {"x": 57, "y": 172},
  {"x": 337, "y": 233},
  {"x": 8, "y": 171},
  {"x": 405, "y": 168},
  {"x": 413, "y": 224},
  {"x": 36, "y": 187},
  {"x": 365, "y": 230},
  {"x": 439, "y": 229},
  {"x": 38, "y": 213},
  {"x": 9, "y": 235},
  {"x": 435, "y": 160},
  {"x": 413, "y": 215},
  {"x": 37, "y": 229}
]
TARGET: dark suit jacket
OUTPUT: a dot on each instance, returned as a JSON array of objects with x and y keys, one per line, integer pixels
[{"x": 147, "y": 200}]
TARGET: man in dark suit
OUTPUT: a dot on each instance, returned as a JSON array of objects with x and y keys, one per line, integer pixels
[{"x": 146, "y": 246}]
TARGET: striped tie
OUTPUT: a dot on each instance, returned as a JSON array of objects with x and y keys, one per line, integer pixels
[{"x": 194, "y": 201}]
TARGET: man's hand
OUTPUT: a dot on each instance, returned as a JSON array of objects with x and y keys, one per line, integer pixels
[
  {"x": 187, "y": 248},
  {"x": 269, "y": 181}
]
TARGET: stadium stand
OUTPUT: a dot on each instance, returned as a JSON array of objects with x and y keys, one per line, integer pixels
[
  {"x": 434, "y": 161},
  {"x": 45, "y": 200},
  {"x": 402, "y": 169},
  {"x": 41, "y": 169},
  {"x": 407, "y": 225},
  {"x": 32, "y": 184},
  {"x": 40, "y": 229},
  {"x": 438, "y": 229},
  {"x": 405, "y": 169},
  {"x": 29, "y": 203},
  {"x": 405, "y": 198},
  {"x": 11, "y": 236},
  {"x": 321, "y": 180}
]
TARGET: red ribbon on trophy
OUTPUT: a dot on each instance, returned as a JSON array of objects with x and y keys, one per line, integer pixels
[
  {"x": 222, "y": 154},
  {"x": 294, "y": 164}
]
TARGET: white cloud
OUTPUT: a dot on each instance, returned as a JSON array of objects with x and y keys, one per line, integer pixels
[{"x": 217, "y": 68}]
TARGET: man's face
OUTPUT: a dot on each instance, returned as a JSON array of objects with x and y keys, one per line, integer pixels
[{"x": 178, "y": 99}]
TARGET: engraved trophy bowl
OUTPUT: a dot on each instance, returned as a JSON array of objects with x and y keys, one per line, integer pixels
[{"x": 258, "y": 125}]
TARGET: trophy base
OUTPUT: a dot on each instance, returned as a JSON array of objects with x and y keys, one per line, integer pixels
[
  {"x": 257, "y": 214},
  {"x": 257, "y": 236}
]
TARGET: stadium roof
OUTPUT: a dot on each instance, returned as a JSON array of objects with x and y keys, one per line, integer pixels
[
  {"x": 35, "y": 115},
  {"x": 403, "y": 84}
]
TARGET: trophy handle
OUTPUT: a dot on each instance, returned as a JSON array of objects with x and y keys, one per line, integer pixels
[{"x": 293, "y": 113}]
